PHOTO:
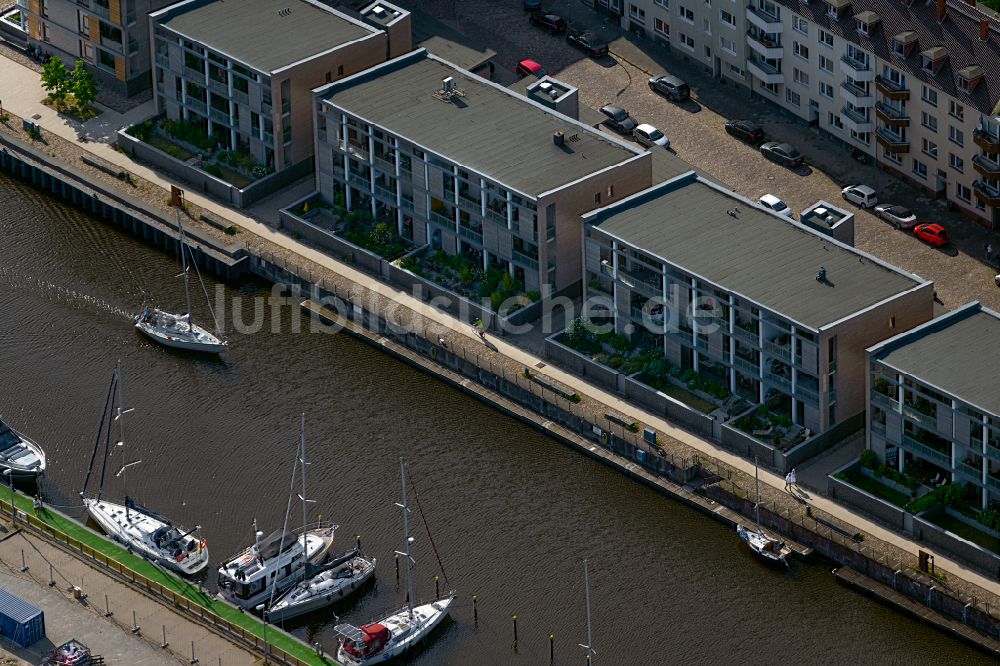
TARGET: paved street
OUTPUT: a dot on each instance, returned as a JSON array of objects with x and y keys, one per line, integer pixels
[{"x": 696, "y": 132}]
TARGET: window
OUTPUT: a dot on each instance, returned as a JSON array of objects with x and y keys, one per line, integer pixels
[
  {"x": 611, "y": 191},
  {"x": 899, "y": 49},
  {"x": 895, "y": 158},
  {"x": 687, "y": 41},
  {"x": 956, "y": 110},
  {"x": 793, "y": 97},
  {"x": 83, "y": 23},
  {"x": 963, "y": 192},
  {"x": 967, "y": 85},
  {"x": 861, "y": 137},
  {"x": 956, "y": 136},
  {"x": 105, "y": 59},
  {"x": 597, "y": 198},
  {"x": 956, "y": 162},
  {"x": 929, "y": 148},
  {"x": 800, "y": 77},
  {"x": 929, "y": 95},
  {"x": 800, "y": 24},
  {"x": 826, "y": 38},
  {"x": 663, "y": 3},
  {"x": 727, "y": 45},
  {"x": 862, "y": 27},
  {"x": 88, "y": 53},
  {"x": 706, "y": 25},
  {"x": 636, "y": 14},
  {"x": 835, "y": 121},
  {"x": 928, "y": 121},
  {"x": 340, "y": 70},
  {"x": 825, "y": 89},
  {"x": 708, "y": 53},
  {"x": 329, "y": 77},
  {"x": 825, "y": 63},
  {"x": 892, "y": 322},
  {"x": 920, "y": 169},
  {"x": 769, "y": 87},
  {"x": 738, "y": 71},
  {"x": 687, "y": 14},
  {"x": 832, "y": 11},
  {"x": 727, "y": 18},
  {"x": 859, "y": 56},
  {"x": 800, "y": 50},
  {"x": 661, "y": 27}
]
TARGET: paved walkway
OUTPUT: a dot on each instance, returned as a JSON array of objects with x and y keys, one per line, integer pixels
[
  {"x": 24, "y": 83},
  {"x": 111, "y": 637}
]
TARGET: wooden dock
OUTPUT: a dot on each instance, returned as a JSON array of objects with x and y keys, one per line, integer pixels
[{"x": 901, "y": 602}]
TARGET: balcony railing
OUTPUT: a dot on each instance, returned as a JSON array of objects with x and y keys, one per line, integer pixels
[
  {"x": 746, "y": 367},
  {"x": 855, "y": 64},
  {"x": 406, "y": 204},
  {"x": 992, "y": 452},
  {"x": 218, "y": 86},
  {"x": 920, "y": 417},
  {"x": 913, "y": 446},
  {"x": 386, "y": 192},
  {"x": 986, "y": 167},
  {"x": 103, "y": 12},
  {"x": 360, "y": 182},
  {"x": 241, "y": 97},
  {"x": 891, "y": 141},
  {"x": 499, "y": 218},
  {"x": 891, "y": 114},
  {"x": 885, "y": 401},
  {"x": 192, "y": 73},
  {"x": 470, "y": 205},
  {"x": 113, "y": 44},
  {"x": 878, "y": 428},
  {"x": 855, "y": 115},
  {"x": 970, "y": 472},
  {"x": 812, "y": 395},
  {"x": 163, "y": 60},
  {"x": 266, "y": 108},
  {"x": 354, "y": 149},
  {"x": 767, "y": 18},
  {"x": 385, "y": 165},
  {"x": 986, "y": 193},
  {"x": 746, "y": 336},
  {"x": 471, "y": 234},
  {"x": 992, "y": 482},
  {"x": 442, "y": 221},
  {"x": 990, "y": 143},
  {"x": 782, "y": 383},
  {"x": 220, "y": 116},
  {"x": 197, "y": 105},
  {"x": 891, "y": 89},
  {"x": 524, "y": 260},
  {"x": 781, "y": 351},
  {"x": 269, "y": 139}
]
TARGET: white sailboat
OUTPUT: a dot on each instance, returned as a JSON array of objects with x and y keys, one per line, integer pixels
[
  {"x": 320, "y": 586},
  {"x": 271, "y": 565},
  {"x": 142, "y": 530},
  {"x": 397, "y": 632},
  {"x": 19, "y": 454},
  {"x": 177, "y": 330},
  {"x": 771, "y": 550}
]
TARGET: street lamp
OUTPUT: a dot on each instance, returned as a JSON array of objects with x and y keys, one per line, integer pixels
[
  {"x": 13, "y": 511},
  {"x": 263, "y": 613}
]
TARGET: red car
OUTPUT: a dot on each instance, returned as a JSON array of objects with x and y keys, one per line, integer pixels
[
  {"x": 528, "y": 67},
  {"x": 932, "y": 234}
]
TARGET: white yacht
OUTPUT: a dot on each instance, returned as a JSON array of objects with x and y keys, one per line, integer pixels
[
  {"x": 24, "y": 458},
  {"x": 397, "y": 632},
  {"x": 323, "y": 586},
  {"x": 177, "y": 330},
  {"x": 150, "y": 535}
]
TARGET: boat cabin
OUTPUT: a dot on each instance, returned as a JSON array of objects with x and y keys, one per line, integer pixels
[
  {"x": 250, "y": 572},
  {"x": 363, "y": 642}
]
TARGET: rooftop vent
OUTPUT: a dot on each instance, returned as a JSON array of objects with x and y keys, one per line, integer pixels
[
  {"x": 448, "y": 84},
  {"x": 821, "y": 276},
  {"x": 735, "y": 212},
  {"x": 554, "y": 93},
  {"x": 379, "y": 10},
  {"x": 448, "y": 90},
  {"x": 285, "y": 11},
  {"x": 559, "y": 138}
]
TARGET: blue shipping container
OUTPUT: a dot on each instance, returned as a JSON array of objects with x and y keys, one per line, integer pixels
[{"x": 20, "y": 622}]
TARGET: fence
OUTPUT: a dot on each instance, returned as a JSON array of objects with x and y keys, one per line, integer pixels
[{"x": 890, "y": 514}]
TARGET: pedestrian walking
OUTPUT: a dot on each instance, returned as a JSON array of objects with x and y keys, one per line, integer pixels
[
  {"x": 792, "y": 478},
  {"x": 788, "y": 482},
  {"x": 989, "y": 252}
]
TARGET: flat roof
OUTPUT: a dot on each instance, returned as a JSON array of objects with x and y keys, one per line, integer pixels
[
  {"x": 955, "y": 353},
  {"x": 267, "y": 34},
  {"x": 751, "y": 252},
  {"x": 486, "y": 128}
]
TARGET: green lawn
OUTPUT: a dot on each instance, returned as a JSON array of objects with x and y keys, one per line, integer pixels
[
  {"x": 874, "y": 487},
  {"x": 233, "y": 177},
  {"x": 967, "y": 532},
  {"x": 179, "y": 586},
  {"x": 169, "y": 147}
]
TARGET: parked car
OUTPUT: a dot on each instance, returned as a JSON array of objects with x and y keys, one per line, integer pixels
[
  {"x": 589, "y": 43},
  {"x": 649, "y": 136},
  {"x": 861, "y": 195},
  {"x": 528, "y": 67},
  {"x": 551, "y": 23},
  {"x": 618, "y": 119},
  {"x": 745, "y": 130},
  {"x": 533, "y": 5},
  {"x": 777, "y": 205},
  {"x": 932, "y": 234},
  {"x": 898, "y": 216},
  {"x": 670, "y": 86},
  {"x": 782, "y": 153}
]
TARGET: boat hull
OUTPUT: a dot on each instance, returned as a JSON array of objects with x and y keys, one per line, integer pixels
[
  {"x": 435, "y": 613},
  {"x": 31, "y": 455},
  {"x": 108, "y": 516},
  {"x": 286, "y": 609},
  {"x": 764, "y": 547},
  {"x": 194, "y": 339}
]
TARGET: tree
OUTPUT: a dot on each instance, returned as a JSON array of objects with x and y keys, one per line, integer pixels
[
  {"x": 55, "y": 79},
  {"x": 83, "y": 86}
]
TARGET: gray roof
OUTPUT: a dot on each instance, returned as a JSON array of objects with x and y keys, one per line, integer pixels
[
  {"x": 955, "y": 353},
  {"x": 445, "y": 42},
  {"x": 756, "y": 254},
  {"x": 253, "y": 32},
  {"x": 488, "y": 129},
  {"x": 958, "y": 33}
]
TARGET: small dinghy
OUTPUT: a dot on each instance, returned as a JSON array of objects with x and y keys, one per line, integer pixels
[
  {"x": 323, "y": 586},
  {"x": 24, "y": 458}
]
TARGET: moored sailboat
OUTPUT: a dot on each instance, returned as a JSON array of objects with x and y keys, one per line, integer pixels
[
  {"x": 24, "y": 458},
  {"x": 401, "y": 630},
  {"x": 768, "y": 548}
]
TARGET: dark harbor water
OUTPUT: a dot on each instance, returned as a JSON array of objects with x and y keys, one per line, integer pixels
[{"x": 512, "y": 513}]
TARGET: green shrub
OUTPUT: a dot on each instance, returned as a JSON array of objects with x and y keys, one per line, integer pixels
[
  {"x": 990, "y": 517},
  {"x": 259, "y": 171},
  {"x": 615, "y": 362},
  {"x": 339, "y": 200},
  {"x": 173, "y": 151},
  {"x": 212, "y": 169},
  {"x": 869, "y": 459}
]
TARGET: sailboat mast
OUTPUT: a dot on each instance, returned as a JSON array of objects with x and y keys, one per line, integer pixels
[
  {"x": 302, "y": 462},
  {"x": 184, "y": 269},
  {"x": 119, "y": 414},
  {"x": 586, "y": 584},
  {"x": 756, "y": 481},
  {"x": 406, "y": 539}
]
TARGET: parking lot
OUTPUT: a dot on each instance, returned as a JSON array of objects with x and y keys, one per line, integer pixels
[{"x": 696, "y": 132}]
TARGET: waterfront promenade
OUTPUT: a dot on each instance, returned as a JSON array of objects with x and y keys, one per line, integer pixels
[{"x": 22, "y": 95}]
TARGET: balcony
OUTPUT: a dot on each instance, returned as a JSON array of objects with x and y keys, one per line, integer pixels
[
  {"x": 746, "y": 336},
  {"x": 892, "y": 141},
  {"x": 989, "y": 195},
  {"x": 986, "y": 168},
  {"x": 494, "y": 216},
  {"x": 220, "y": 87},
  {"x": 764, "y": 71},
  {"x": 442, "y": 221},
  {"x": 807, "y": 394},
  {"x": 471, "y": 235},
  {"x": 885, "y": 401},
  {"x": 911, "y": 413},
  {"x": 992, "y": 452},
  {"x": 990, "y": 143},
  {"x": 112, "y": 45},
  {"x": 926, "y": 452},
  {"x": 360, "y": 182},
  {"x": 163, "y": 60},
  {"x": 265, "y": 108},
  {"x": 103, "y": 12},
  {"x": 241, "y": 97},
  {"x": 970, "y": 472},
  {"x": 384, "y": 165},
  {"x": 856, "y": 69},
  {"x": 220, "y": 116},
  {"x": 470, "y": 205},
  {"x": 195, "y": 74},
  {"x": 746, "y": 367},
  {"x": 763, "y": 20},
  {"x": 355, "y": 149},
  {"x": 765, "y": 46},
  {"x": 992, "y": 482},
  {"x": 891, "y": 89},
  {"x": 891, "y": 116},
  {"x": 856, "y": 120},
  {"x": 197, "y": 105},
  {"x": 782, "y": 383},
  {"x": 779, "y": 351},
  {"x": 268, "y": 139},
  {"x": 856, "y": 95},
  {"x": 386, "y": 193},
  {"x": 524, "y": 260}
]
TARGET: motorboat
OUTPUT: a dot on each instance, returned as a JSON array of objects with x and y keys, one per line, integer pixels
[
  {"x": 323, "y": 586},
  {"x": 19, "y": 454},
  {"x": 766, "y": 547}
]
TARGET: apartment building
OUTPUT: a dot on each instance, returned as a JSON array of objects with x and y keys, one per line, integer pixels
[
  {"x": 769, "y": 308},
  {"x": 245, "y": 70},
  {"x": 111, "y": 36},
  {"x": 468, "y": 166},
  {"x": 934, "y": 411},
  {"x": 914, "y": 84}
]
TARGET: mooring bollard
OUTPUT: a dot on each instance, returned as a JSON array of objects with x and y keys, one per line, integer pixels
[
  {"x": 164, "y": 644},
  {"x": 24, "y": 565},
  {"x": 194, "y": 659},
  {"x": 552, "y": 649},
  {"x": 475, "y": 611},
  {"x": 514, "y": 620},
  {"x": 52, "y": 579},
  {"x": 107, "y": 607},
  {"x": 135, "y": 624},
  {"x": 437, "y": 589},
  {"x": 357, "y": 540}
]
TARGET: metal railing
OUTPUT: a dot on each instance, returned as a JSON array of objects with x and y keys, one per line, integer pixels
[
  {"x": 855, "y": 115},
  {"x": 883, "y": 400},
  {"x": 241, "y": 97},
  {"x": 891, "y": 112},
  {"x": 385, "y": 165},
  {"x": 745, "y": 366},
  {"x": 853, "y": 63},
  {"x": 921, "y": 418},
  {"x": 499, "y": 218},
  {"x": 218, "y": 86},
  {"x": 112, "y": 44},
  {"x": 163, "y": 60},
  {"x": 197, "y": 105},
  {"x": 360, "y": 182},
  {"x": 406, "y": 204},
  {"x": 970, "y": 472},
  {"x": 809, "y": 394},
  {"x": 782, "y": 352},
  {"x": 470, "y": 206},
  {"x": 746, "y": 336},
  {"x": 524, "y": 260},
  {"x": 191, "y": 72},
  {"x": 762, "y": 15},
  {"x": 103, "y": 12},
  {"x": 442, "y": 221},
  {"x": 220, "y": 116},
  {"x": 782, "y": 383},
  {"x": 386, "y": 192},
  {"x": 470, "y": 234},
  {"x": 268, "y": 139},
  {"x": 913, "y": 446}
]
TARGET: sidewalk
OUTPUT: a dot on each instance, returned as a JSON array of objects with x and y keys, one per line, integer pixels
[
  {"x": 24, "y": 104},
  {"x": 111, "y": 637}
]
